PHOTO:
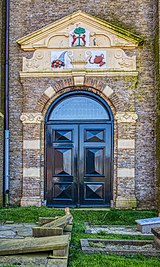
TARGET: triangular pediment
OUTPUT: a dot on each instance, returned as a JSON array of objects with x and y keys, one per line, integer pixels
[{"x": 61, "y": 34}]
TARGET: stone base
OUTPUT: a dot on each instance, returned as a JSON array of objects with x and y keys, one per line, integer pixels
[
  {"x": 126, "y": 203},
  {"x": 31, "y": 201}
]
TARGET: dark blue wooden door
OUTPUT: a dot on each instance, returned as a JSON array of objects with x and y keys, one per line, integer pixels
[{"x": 78, "y": 164}]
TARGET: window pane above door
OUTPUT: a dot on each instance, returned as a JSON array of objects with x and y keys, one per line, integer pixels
[{"x": 79, "y": 108}]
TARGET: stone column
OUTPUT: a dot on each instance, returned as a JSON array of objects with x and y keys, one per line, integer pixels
[
  {"x": 31, "y": 188},
  {"x": 126, "y": 160}
]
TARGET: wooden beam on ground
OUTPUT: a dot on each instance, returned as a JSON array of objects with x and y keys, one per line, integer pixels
[
  {"x": 42, "y": 232},
  {"x": 57, "y": 245}
]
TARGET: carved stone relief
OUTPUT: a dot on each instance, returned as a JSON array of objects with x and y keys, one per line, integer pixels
[
  {"x": 31, "y": 118},
  {"x": 81, "y": 58},
  {"x": 79, "y": 42},
  {"x": 126, "y": 117}
]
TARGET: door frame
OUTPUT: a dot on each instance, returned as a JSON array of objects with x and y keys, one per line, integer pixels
[{"x": 110, "y": 121}]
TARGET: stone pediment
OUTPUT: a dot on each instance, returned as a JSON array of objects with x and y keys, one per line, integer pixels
[
  {"x": 59, "y": 34},
  {"x": 79, "y": 42}
]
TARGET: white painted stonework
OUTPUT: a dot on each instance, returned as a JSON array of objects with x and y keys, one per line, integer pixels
[
  {"x": 125, "y": 172},
  {"x": 108, "y": 91},
  {"x": 126, "y": 117},
  {"x": 59, "y": 47},
  {"x": 78, "y": 80},
  {"x": 31, "y": 172},
  {"x": 31, "y": 118},
  {"x": 93, "y": 59},
  {"x": 49, "y": 92},
  {"x": 126, "y": 143},
  {"x": 31, "y": 144}
]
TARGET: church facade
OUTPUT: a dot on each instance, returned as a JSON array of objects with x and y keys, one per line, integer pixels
[{"x": 83, "y": 91}]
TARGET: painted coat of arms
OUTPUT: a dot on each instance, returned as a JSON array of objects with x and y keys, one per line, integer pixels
[
  {"x": 60, "y": 59},
  {"x": 79, "y": 37}
]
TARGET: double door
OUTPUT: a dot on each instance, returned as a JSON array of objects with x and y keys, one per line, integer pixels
[{"x": 78, "y": 164}]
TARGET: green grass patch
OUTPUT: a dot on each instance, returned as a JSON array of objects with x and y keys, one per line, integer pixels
[
  {"x": 100, "y": 217},
  {"x": 100, "y": 260},
  {"x": 27, "y": 214},
  {"x": 112, "y": 216}
]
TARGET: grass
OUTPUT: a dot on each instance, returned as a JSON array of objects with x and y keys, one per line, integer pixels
[
  {"x": 77, "y": 258},
  {"x": 110, "y": 216}
]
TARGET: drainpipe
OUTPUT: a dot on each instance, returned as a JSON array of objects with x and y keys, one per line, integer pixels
[{"x": 6, "y": 120}]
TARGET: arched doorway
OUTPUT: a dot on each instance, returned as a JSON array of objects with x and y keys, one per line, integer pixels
[{"x": 79, "y": 151}]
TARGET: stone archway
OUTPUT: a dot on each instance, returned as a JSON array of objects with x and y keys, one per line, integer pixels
[
  {"x": 124, "y": 144},
  {"x": 79, "y": 151}
]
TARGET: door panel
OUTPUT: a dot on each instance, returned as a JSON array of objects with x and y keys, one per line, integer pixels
[
  {"x": 61, "y": 165},
  {"x": 95, "y": 159},
  {"x": 78, "y": 164}
]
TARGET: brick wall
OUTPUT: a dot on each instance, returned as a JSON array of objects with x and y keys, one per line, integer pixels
[
  {"x": 137, "y": 16},
  {"x": 157, "y": 68},
  {"x": 1, "y": 97}
]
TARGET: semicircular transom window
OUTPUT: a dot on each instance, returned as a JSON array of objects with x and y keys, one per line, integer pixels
[{"x": 79, "y": 108}]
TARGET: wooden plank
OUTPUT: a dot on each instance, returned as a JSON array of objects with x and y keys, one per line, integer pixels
[
  {"x": 68, "y": 228},
  {"x": 60, "y": 222},
  {"x": 42, "y": 232},
  {"x": 44, "y": 220},
  {"x": 10, "y": 247}
]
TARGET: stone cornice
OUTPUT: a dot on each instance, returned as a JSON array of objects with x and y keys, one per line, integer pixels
[{"x": 79, "y": 74}]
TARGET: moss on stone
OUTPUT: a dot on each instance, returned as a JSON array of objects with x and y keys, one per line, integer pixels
[{"x": 125, "y": 32}]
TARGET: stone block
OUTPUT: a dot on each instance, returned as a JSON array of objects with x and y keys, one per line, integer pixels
[
  {"x": 125, "y": 172},
  {"x": 31, "y": 144},
  {"x": 126, "y": 203},
  {"x": 126, "y": 143},
  {"x": 31, "y": 172},
  {"x": 145, "y": 225},
  {"x": 49, "y": 92},
  {"x": 108, "y": 91},
  {"x": 78, "y": 80}
]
